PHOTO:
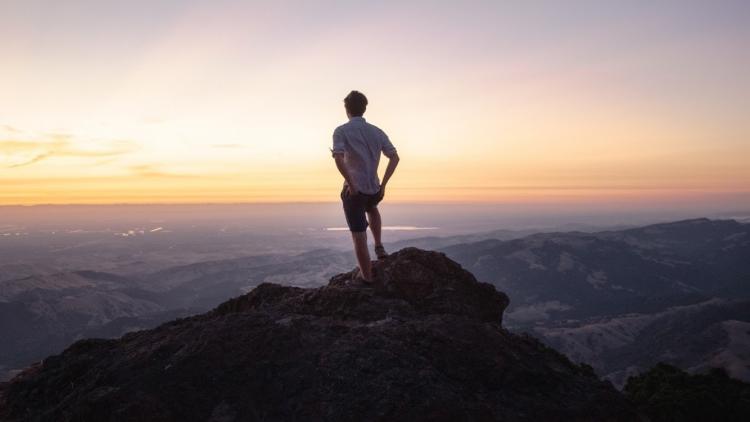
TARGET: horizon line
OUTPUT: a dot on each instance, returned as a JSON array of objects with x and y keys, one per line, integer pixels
[{"x": 735, "y": 208}]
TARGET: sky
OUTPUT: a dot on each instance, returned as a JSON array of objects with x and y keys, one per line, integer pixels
[{"x": 583, "y": 102}]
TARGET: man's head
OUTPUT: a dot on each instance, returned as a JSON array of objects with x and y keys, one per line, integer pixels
[{"x": 355, "y": 104}]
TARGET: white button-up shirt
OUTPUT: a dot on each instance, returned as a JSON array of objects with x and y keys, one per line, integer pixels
[{"x": 361, "y": 143}]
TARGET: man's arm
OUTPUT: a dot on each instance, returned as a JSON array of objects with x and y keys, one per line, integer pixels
[
  {"x": 393, "y": 160},
  {"x": 341, "y": 165},
  {"x": 339, "y": 146}
]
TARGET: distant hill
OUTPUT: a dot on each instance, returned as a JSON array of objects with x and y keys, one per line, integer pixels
[
  {"x": 42, "y": 314},
  {"x": 439, "y": 242},
  {"x": 625, "y": 300},
  {"x": 715, "y": 333},
  {"x": 555, "y": 276}
]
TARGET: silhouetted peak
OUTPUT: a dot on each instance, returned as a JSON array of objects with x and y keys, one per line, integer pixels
[
  {"x": 410, "y": 282},
  {"x": 423, "y": 343}
]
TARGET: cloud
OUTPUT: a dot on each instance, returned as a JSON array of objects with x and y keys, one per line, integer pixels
[
  {"x": 10, "y": 129},
  {"x": 15, "y": 153},
  {"x": 22, "y": 152},
  {"x": 31, "y": 160},
  {"x": 150, "y": 170}
]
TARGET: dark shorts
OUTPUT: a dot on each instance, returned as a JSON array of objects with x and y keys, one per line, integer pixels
[{"x": 355, "y": 207}]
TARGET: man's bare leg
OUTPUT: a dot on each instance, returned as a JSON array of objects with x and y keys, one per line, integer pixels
[
  {"x": 363, "y": 255},
  {"x": 373, "y": 218}
]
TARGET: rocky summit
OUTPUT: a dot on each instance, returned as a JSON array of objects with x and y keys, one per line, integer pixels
[{"x": 423, "y": 342}]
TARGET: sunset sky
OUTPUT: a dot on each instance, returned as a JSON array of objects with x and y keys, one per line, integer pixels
[{"x": 487, "y": 101}]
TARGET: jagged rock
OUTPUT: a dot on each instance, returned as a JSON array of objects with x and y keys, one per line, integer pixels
[
  {"x": 411, "y": 281},
  {"x": 424, "y": 342}
]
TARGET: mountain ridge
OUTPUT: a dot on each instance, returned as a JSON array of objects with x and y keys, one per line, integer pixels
[{"x": 424, "y": 343}]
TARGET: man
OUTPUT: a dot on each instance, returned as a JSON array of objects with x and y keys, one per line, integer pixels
[{"x": 356, "y": 147}]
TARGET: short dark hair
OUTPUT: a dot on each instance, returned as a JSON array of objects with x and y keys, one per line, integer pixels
[{"x": 355, "y": 103}]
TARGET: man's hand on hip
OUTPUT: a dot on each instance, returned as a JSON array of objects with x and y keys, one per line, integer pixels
[{"x": 351, "y": 189}]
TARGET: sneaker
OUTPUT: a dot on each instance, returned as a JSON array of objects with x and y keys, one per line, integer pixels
[{"x": 380, "y": 251}]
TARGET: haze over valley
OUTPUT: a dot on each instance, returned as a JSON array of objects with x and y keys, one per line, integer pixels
[{"x": 604, "y": 290}]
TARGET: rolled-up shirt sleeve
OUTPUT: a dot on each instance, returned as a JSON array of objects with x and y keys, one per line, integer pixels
[
  {"x": 338, "y": 143},
  {"x": 387, "y": 147}
]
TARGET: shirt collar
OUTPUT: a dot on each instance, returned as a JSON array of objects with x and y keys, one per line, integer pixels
[{"x": 356, "y": 119}]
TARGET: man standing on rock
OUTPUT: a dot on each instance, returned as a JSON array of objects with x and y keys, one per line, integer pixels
[{"x": 356, "y": 147}]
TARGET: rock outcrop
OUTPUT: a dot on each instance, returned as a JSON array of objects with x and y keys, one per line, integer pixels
[{"x": 425, "y": 342}]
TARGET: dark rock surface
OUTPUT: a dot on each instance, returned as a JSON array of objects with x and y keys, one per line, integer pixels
[
  {"x": 666, "y": 393},
  {"x": 423, "y": 343}
]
